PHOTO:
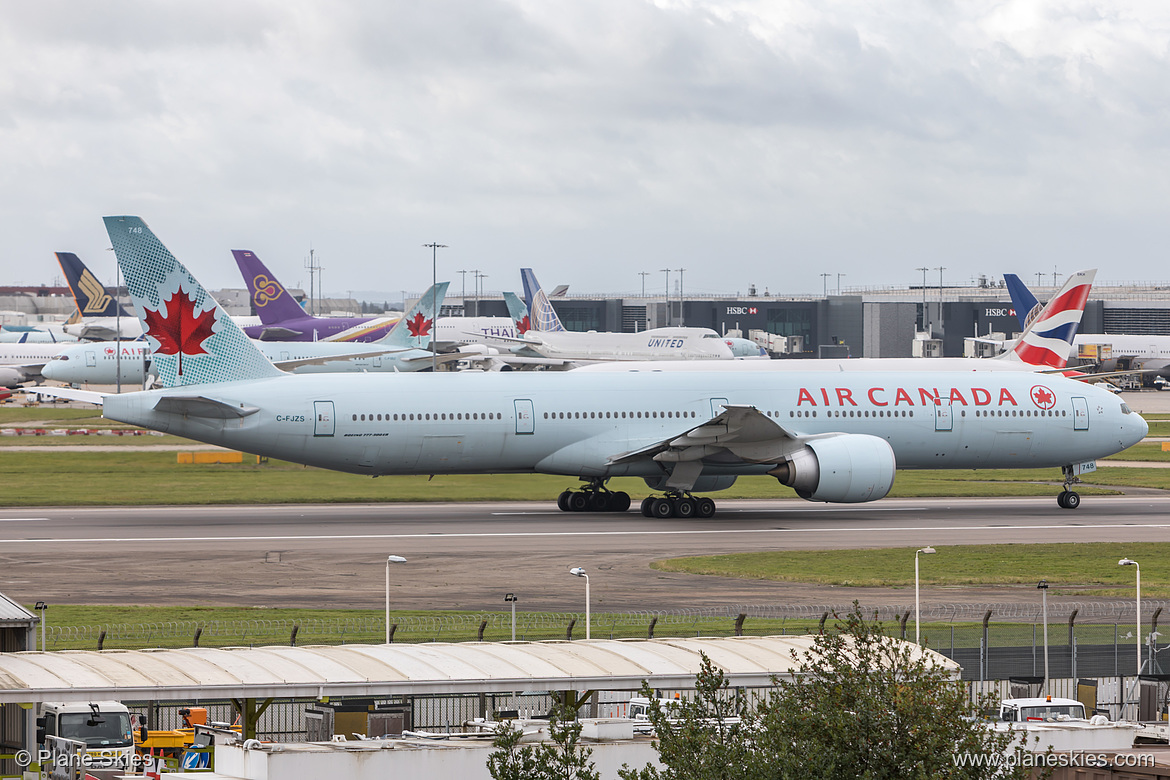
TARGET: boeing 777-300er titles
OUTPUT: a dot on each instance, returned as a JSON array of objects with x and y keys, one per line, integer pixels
[
  {"x": 283, "y": 318},
  {"x": 832, "y": 436},
  {"x": 402, "y": 349}
]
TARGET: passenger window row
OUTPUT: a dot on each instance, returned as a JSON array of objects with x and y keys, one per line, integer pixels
[{"x": 404, "y": 417}]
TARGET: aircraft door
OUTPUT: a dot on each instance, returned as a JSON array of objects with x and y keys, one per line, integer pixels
[
  {"x": 90, "y": 358},
  {"x": 323, "y": 418},
  {"x": 525, "y": 419},
  {"x": 284, "y": 355},
  {"x": 717, "y": 405},
  {"x": 943, "y": 421},
  {"x": 1080, "y": 414}
]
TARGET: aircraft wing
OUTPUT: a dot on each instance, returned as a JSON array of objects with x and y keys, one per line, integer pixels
[
  {"x": 68, "y": 393},
  {"x": 202, "y": 406},
  {"x": 742, "y": 431},
  {"x": 440, "y": 358},
  {"x": 277, "y": 333},
  {"x": 289, "y": 365}
]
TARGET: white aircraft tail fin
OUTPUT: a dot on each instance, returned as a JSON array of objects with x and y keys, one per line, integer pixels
[{"x": 193, "y": 339}]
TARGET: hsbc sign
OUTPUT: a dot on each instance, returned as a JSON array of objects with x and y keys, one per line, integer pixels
[
  {"x": 742, "y": 310},
  {"x": 1003, "y": 312}
]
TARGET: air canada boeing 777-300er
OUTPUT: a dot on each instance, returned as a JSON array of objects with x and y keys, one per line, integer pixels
[{"x": 833, "y": 436}]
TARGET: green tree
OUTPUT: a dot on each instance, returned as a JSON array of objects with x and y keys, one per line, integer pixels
[
  {"x": 859, "y": 705},
  {"x": 562, "y": 758}
]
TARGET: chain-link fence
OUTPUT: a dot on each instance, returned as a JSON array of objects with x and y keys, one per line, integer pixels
[{"x": 990, "y": 641}]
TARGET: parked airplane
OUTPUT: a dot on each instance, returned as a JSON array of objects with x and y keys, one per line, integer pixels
[
  {"x": 1148, "y": 353},
  {"x": 100, "y": 314},
  {"x": 283, "y": 318},
  {"x": 23, "y": 362},
  {"x": 402, "y": 349},
  {"x": 47, "y": 333},
  {"x": 833, "y": 436}
]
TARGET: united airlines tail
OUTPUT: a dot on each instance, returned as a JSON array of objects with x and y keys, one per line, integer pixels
[
  {"x": 518, "y": 312},
  {"x": 1025, "y": 303},
  {"x": 416, "y": 329},
  {"x": 1047, "y": 339},
  {"x": 92, "y": 298},
  {"x": 544, "y": 317},
  {"x": 273, "y": 303},
  {"x": 192, "y": 338}
]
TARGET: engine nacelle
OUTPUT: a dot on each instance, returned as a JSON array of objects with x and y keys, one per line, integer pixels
[
  {"x": 846, "y": 469},
  {"x": 706, "y": 484},
  {"x": 11, "y": 377}
]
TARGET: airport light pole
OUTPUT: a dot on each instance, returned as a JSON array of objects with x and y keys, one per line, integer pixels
[
  {"x": 1134, "y": 564},
  {"x": 389, "y": 560},
  {"x": 667, "y": 272},
  {"x": 940, "y": 269},
  {"x": 925, "y": 315},
  {"x": 839, "y": 282},
  {"x": 682, "y": 320},
  {"x": 464, "y": 275},
  {"x": 579, "y": 572},
  {"x": 1042, "y": 586},
  {"x": 435, "y": 247},
  {"x": 643, "y": 274},
  {"x": 917, "y": 608},
  {"x": 41, "y": 607},
  {"x": 511, "y": 597}
]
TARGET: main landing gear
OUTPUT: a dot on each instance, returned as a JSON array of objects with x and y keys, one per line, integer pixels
[
  {"x": 1068, "y": 499},
  {"x": 593, "y": 498},
  {"x": 676, "y": 504}
]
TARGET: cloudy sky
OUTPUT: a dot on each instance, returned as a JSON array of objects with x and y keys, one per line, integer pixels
[{"x": 748, "y": 142}]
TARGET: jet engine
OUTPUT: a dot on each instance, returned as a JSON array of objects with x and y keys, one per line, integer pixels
[
  {"x": 11, "y": 377},
  {"x": 849, "y": 468}
]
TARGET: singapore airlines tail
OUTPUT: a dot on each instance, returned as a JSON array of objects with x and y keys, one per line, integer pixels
[
  {"x": 544, "y": 317},
  {"x": 273, "y": 303},
  {"x": 1048, "y": 338},
  {"x": 193, "y": 339},
  {"x": 92, "y": 298}
]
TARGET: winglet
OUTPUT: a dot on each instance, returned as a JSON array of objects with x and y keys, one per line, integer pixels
[
  {"x": 272, "y": 301},
  {"x": 1048, "y": 338},
  {"x": 192, "y": 338},
  {"x": 540, "y": 309},
  {"x": 417, "y": 326},
  {"x": 90, "y": 295}
]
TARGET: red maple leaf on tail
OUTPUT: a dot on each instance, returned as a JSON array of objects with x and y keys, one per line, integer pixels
[
  {"x": 181, "y": 331},
  {"x": 523, "y": 326},
  {"x": 419, "y": 325}
]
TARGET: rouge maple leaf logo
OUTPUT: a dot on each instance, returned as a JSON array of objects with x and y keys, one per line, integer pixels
[
  {"x": 1043, "y": 397},
  {"x": 524, "y": 325},
  {"x": 419, "y": 325},
  {"x": 180, "y": 331}
]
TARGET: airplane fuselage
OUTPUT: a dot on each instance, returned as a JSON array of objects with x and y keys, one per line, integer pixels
[{"x": 577, "y": 424}]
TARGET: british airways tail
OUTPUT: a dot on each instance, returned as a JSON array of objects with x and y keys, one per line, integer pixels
[
  {"x": 1047, "y": 339},
  {"x": 90, "y": 295},
  {"x": 273, "y": 303},
  {"x": 1025, "y": 303},
  {"x": 417, "y": 326},
  {"x": 518, "y": 312},
  {"x": 540, "y": 309},
  {"x": 193, "y": 339}
]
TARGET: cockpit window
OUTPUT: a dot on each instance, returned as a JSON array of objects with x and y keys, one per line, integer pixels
[{"x": 1125, "y": 409}]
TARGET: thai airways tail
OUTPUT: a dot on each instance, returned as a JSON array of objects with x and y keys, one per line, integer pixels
[
  {"x": 192, "y": 338},
  {"x": 90, "y": 295},
  {"x": 1048, "y": 337},
  {"x": 518, "y": 312},
  {"x": 416, "y": 329},
  {"x": 1025, "y": 303},
  {"x": 273, "y": 303},
  {"x": 540, "y": 309}
]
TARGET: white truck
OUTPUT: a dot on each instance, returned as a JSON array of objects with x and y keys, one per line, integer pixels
[{"x": 104, "y": 727}]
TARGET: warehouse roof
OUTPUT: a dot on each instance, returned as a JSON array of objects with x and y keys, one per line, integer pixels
[
  {"x": 11, "y": 612},
  {"x": 395, "y": 669}
]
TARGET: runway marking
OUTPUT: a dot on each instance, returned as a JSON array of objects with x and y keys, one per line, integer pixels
[
  {"x": 23, "y": 519},
  {"x": 560, "y": 534},
  {"x": 787, "y": 510}
]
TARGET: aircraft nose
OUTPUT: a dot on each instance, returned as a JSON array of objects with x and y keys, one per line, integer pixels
[{"x": 1134, "y": 429}]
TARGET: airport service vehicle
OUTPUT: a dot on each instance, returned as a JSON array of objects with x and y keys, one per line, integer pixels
[
  {"x": 832, "y": 436},
  {"x": 104, "y": 727},
  {"x": 1050, "y": 722}
]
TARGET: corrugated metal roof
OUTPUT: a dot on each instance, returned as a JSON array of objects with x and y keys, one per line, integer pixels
[
  {"x": 385, "y": 670},
  {"x": 11, "y": 612}
]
